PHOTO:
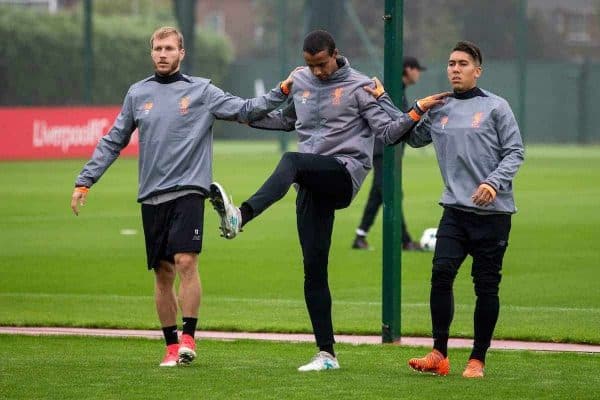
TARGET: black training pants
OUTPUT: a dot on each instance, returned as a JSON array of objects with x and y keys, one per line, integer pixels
[
  {"x": 485, "y": 238},
  {"x": 324, "y": 185}
]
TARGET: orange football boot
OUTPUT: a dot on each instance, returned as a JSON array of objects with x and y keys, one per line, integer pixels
[
  {"x": 474, "y": 369},
  {"x": 433, "y": 363}
]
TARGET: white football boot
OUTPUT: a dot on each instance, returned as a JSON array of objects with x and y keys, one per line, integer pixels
[
  {"x": 321, "y": 362},
  {"x": 230, "y": 215}
]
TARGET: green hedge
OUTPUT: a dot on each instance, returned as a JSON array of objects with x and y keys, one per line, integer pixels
[{"x": 41, "y": 56}]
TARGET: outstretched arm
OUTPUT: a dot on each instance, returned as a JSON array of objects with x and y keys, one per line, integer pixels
[
  {"x": 388, "y": 129},
  {"x": 232, "y": 108},
  {"x": 280, "y": 120},
  {"x": 420, "y": 135}
]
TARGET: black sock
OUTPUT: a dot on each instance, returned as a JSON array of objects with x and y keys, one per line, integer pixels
[
  {"x": 170, "y": 334},
  {"x": 247, "y": 213},
  {"x": 441, "y": 302},
  {"x": 486, "y": 315},
  {"x": 478, "y": 355},
  {"x": 328, "y": 348},
  {"x": 189, "y": 325},
  {"x": 441, "y": 345}
]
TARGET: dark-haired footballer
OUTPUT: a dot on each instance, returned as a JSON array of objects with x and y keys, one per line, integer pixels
[
  {"x": 336, "y": 121},
  {"x": 479, "y": 151}
]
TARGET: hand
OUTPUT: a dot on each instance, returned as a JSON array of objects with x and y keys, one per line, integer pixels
[
  {"x": 78, "y": 198},
  {"x": 484, "y": 195},
  {"x": 429, "y": 102},
  {"x": 379, "y": 89},
  {"x": 286, "y": 85}
]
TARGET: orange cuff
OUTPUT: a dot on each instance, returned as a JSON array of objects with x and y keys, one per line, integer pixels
[
  {"x": 414, "y": 115},
  {"x": 284, "y": 88},
  {"x": 82, "y": 189},
  {"x": 490, "y": 189}
]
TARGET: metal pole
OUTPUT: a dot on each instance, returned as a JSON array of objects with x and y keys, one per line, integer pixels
[
  {"x": 88, "y": 52},
  {"x": 582, "y": 105},
  {"x": 522, "y": 66},
  {"x": 392, "y": 181},
  {"x": 185, "y": 12},
  {"x": 283, "y": 60}
]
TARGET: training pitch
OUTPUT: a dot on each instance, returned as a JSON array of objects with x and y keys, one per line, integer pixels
[{"x": 89, "y": 271}]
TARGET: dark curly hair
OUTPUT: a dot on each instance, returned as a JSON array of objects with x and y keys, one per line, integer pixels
[{"x": 471, "y": 49}]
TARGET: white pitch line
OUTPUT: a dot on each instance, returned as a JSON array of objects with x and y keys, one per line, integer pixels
[{"x": 295, "y": 302}]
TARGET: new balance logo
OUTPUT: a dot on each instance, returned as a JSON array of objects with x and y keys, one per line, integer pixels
[{"x": 196, "y": 235}]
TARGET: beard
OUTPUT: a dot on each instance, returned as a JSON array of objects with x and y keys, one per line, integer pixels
[{"x": 166, "y": 69}]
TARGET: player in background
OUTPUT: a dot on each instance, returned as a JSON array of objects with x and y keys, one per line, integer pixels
[
  {"x": 173, "y": 114},
  {"x": 479, "y": 150},
  {"x": 410, "y": 75}
]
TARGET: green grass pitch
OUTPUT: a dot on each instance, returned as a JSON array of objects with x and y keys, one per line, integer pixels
[
  {"x": 101, "y": 368},
  {"x": 58, "y": 269}
]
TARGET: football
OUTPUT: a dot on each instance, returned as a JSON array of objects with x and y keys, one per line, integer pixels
[{"x": 428, "y": 239}]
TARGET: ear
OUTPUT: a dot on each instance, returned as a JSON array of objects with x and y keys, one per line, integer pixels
[
  {"x": 478, "y": 71},
  {"x": 336, "y": 53},
  {"x": 181, "y": 54}
]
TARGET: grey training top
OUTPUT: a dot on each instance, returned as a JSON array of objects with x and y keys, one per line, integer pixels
[
  {"x": 174, "y": 117},
  {"x": 476, "y": 140},
  {"x": 378, "y": 146},
  {"x": 337, "y": 117}
]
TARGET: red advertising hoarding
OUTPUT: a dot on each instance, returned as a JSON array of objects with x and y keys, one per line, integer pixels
[{"x": 30, "y": 133}]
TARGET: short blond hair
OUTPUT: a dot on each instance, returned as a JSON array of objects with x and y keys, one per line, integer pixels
[{"x": 164, "y": 32}]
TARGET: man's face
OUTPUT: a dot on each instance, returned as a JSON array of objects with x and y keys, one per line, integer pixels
[
  {"x": 322, "y": 65},
  {"x": 463, "y": 72},
  {"x": 412, "y": 75},
  {"x": 166, "y": 55}
]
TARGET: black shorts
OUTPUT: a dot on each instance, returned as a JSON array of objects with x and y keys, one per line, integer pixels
[{"x": 173, "y": 227}]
